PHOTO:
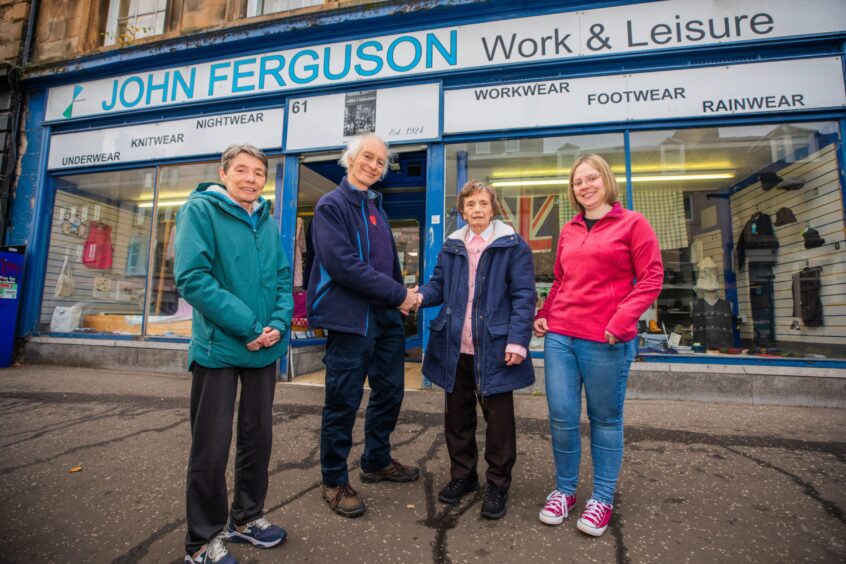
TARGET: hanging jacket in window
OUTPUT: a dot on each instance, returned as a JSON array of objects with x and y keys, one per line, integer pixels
[
  {"x": 98, "y": 247},
  {"x": 757, "y": 242},
  {"x": 807, "y": 293}
]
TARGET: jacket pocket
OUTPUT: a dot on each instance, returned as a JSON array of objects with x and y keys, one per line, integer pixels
[
  {"x": 438, "y": 348},
  {"x": 495, "y": 347},
  {"x": 498, "y": 330},
  {"x": 437, "y": 324},
  {"x": 211, "y": 342}
]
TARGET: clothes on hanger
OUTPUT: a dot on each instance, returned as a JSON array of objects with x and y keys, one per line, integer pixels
[
  {"x": 806, "y": 296},
  {"x": 309, "y": 254},
  {"x": 762, "y": 303},
  {"x": 757, "y": 242},
  {"x": 136, "y": 255},
  {"x": 98, "y": 251},
  {"x": 299, "y": 252}
]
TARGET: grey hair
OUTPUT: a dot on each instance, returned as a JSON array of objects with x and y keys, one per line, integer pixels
[
  {"x": 356, "y": 144},
  {"x": 472, "y": 187},
  {"x": 236, "y": 149}
]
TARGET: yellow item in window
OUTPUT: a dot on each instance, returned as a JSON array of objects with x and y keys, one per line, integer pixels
[{"x": 653, "y": 326}]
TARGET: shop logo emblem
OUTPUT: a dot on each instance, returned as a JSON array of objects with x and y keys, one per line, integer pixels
[{"x": 77, "y": 90}]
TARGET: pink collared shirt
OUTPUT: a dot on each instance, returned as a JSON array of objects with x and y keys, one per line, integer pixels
[{"x": 476, "y": 244}]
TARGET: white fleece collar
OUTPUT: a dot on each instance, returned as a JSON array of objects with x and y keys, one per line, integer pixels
[{"x": 500, "y": 229}]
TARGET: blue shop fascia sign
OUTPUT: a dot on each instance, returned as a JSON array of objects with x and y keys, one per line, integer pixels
[{"x": 534, "y": 39}]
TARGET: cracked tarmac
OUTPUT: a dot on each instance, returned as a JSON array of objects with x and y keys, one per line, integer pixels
[{"x": 701, "y": 482}]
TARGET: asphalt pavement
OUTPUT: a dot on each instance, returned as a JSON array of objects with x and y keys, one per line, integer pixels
[{"x": 701, "y": 482}]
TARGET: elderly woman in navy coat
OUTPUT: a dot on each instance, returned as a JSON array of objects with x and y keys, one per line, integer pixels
[{"x": 478, "y": 343}]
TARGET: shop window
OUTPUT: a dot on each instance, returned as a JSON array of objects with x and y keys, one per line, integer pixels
[
  {"x": 128, "y": 20},
  {"x": 111, "y": 250},
  {"x": 169, "y": 314},
  {"x": 755, "y": 269},
  {"x": 262, "y": 7},
  {"x": 530, "y": 177},
  {"x": 96, "y": 274}
]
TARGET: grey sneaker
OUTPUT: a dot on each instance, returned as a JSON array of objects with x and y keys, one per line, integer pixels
[{"x": 213, "y": 553}]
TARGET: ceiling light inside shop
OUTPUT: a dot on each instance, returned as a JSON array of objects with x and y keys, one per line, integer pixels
[
  {"x": 175, "y": 203},
  {"x": 620, "y": 179},
  {"x": 636, "y": 169}
]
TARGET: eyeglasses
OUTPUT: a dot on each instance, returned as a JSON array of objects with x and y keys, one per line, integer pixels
[{"x": 587, "y": 180}]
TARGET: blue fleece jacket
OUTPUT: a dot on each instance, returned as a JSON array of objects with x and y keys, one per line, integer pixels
[{"x": 344, "y": 284}]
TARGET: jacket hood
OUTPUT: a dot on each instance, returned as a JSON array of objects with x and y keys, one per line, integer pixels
[
  {"x": 501, "y": 229},
  {"x": 216, "y": 192}
]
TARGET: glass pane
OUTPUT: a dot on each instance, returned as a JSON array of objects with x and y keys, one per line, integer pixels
[
  {"x": 318, "y": 176},
  {"x": 146, "y": 6},
  {"x": 407, "y": 238},
  {"x": 96, "y": 261},
  {"x": 530, "y": 177},
  {"x": 730, "y": 206},
  {"x": 169, "y": 314}
]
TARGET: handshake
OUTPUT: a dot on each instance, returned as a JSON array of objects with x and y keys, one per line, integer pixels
[{"x": 412, "y": 301}]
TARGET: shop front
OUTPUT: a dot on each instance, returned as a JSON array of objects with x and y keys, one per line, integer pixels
[{"x": 723, "y": 122}]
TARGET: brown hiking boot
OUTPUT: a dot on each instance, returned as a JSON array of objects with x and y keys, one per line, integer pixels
[
  {"x": 393, "y": 472},
  {"x": 344, "y": 500}
]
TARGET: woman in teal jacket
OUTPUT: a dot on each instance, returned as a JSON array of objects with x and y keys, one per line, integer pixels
[
  {"x": 231, "y": 268},
  {"x": 229, "y": 263}
]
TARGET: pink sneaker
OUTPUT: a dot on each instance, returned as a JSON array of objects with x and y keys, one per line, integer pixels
[
  {"x": 557, "y": 507},
  {"x": 595, "y": 518}
]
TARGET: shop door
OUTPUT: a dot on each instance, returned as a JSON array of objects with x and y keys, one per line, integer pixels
[{"x": 404, "y": 200}]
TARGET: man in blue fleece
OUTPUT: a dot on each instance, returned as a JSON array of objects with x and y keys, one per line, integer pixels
[{"x": 356, "y": 293}]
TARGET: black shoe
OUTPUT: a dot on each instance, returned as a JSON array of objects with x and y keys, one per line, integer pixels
[
  {"x": 493, "y": 505},
  {"x": 458, "y": 488}
]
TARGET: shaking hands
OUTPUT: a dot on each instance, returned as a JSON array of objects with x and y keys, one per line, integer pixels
[{"x": 412, "y": 301}]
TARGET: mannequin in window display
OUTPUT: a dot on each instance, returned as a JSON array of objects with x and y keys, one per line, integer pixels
[{"x": 712, "y": 317}]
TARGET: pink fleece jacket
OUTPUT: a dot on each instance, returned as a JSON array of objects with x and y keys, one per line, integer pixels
[{"x": 595, "y": 272}]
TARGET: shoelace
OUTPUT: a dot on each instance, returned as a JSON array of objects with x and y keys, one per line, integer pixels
[
  {"x": 556, "y": 502},
  {"x": 594, "y": 512},
  {"x": 455, "y": 483},
  {"x": 344, "y": 491},
  {"x": 262, "y": 523},
  {"x": 216, "y": 550},
  {"x": 492, "y": 494}
]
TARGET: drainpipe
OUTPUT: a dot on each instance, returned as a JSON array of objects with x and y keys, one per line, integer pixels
[
  {"x": 30, "y": 32},
  {"x": 7, "y": 176}
]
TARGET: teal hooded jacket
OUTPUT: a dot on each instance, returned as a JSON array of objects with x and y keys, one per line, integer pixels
[{"x": 231, "y": 268}]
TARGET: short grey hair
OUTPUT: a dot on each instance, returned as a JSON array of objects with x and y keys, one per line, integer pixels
[
  {"x": 472, "y": 187},
  {"x": 236, "y": 149},
  {"x": 356, "y": 144}
]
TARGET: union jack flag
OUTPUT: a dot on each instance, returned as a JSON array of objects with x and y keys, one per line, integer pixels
[{"x": 532, "y": 218}]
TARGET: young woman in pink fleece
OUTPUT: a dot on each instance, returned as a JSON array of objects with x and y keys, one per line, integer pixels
[{"x": 608, "y": 271}]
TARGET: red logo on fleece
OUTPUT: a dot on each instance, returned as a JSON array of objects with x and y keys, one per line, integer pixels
[{"x": 373, "y": 219}]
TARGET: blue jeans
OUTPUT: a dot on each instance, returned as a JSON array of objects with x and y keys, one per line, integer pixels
[
  {"x": 603, "y": 369},
  {"x": 380, "y": 357}
]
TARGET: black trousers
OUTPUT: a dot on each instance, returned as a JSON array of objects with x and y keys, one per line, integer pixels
[
  {"x": 460, "y": 429},
  {"x": 213, "y": 394}
]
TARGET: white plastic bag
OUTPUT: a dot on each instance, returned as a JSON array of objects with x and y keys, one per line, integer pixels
[
  {"x": 65, "y": 319},
  {"x": 65, "y": 283}
]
